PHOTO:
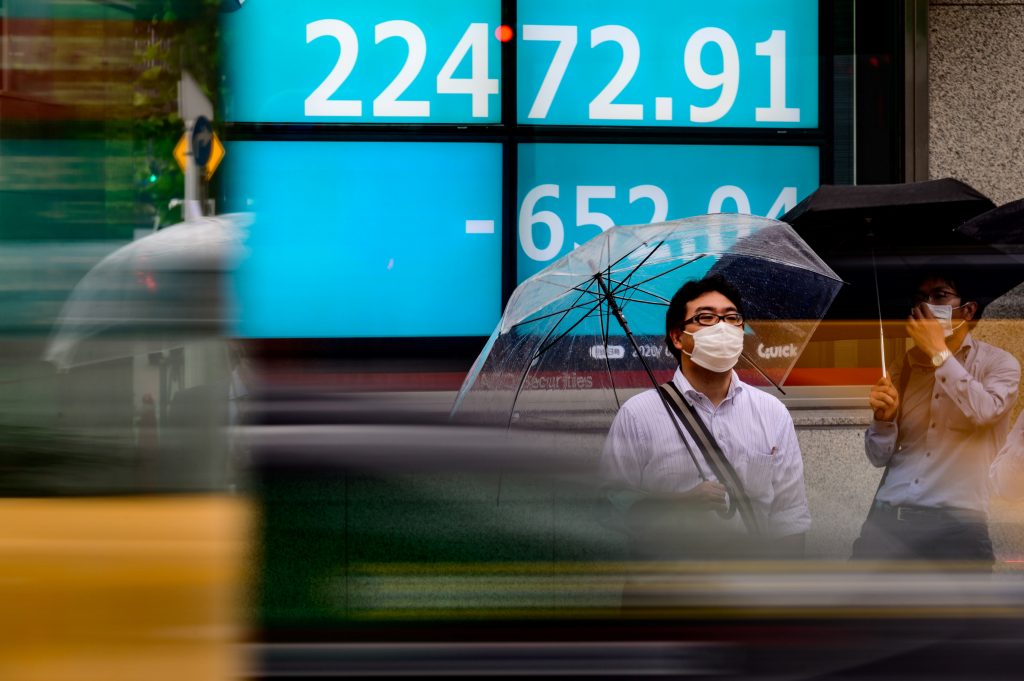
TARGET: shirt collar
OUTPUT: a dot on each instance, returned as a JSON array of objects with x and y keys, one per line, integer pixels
[
  {"x": 967, "y": 344},
  {"x": 735, "y": 386}
]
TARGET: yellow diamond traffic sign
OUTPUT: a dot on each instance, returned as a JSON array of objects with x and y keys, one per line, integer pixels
[
  {"x": 181, "y": 152},
  {"x": 217, "y": 153}
]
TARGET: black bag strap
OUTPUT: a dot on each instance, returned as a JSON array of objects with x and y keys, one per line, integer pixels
[{"x": 713, "y": 454}]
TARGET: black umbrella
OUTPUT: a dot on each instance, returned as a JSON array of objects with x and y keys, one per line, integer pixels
[
  {"x": 1000, "y": 230},
  {"x": 881, "y": 238},
  {"x": 835, "y": 216},
  {"x": 1002, "y": 227}
]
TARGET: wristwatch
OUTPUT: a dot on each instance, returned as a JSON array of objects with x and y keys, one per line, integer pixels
[{"x": 939, "y": 357}]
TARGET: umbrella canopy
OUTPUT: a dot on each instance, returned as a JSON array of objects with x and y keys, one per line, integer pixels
[
  {"x": 577, "y": 338},
  {"x": 835, "y": 216},
  {"x": 1002, "y": 227},
  {"x": 1000, "y": 230},
  {"x": 890, "y": 233},
  {"x": 151, "y": 294}
]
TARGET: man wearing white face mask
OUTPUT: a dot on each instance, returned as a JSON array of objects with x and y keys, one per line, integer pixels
[
  {"x": 645, "y": 460},
  {"x": 938, "y": 423}
]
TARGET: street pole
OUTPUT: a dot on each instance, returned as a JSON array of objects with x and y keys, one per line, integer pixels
[{"x": 192, "y": 104}]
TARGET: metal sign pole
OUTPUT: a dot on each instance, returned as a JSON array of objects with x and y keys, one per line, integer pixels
[{"x": 193, "y": 106}]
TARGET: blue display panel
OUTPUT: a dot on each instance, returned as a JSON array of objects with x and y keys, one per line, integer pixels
[
  {"x": 368, "y": 239},
  {"x": 568, "y": 193},
  {"x": 351, "y": 61},
  {"x": 728, "y": 63}
]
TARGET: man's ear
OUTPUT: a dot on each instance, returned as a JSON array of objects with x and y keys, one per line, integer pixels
[
  {"x": 676, "y": 336},
  {"x": 970, "y": 309}
]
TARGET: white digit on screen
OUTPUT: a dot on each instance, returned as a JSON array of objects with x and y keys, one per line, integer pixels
[
  {"x": 528, "y": 218},
  {"x": 728, "y": 79},
  {"x": 566, "y": 37},
  {"x": 478, "y": 86},
  {"x": 387, "y": 103},
  {"x": 726, "y": 192},
  {"x": 775, "y": 49},
  {"x": 319, "y": 102},
  {"x": 602, "y": 107},
  {"x": 656, "y": 196},
  {"x": 585, "y": 216},
  {"x": 783, "y": 204}
]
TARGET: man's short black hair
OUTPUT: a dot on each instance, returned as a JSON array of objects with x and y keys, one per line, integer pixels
[{"x": 692, "y": 290}]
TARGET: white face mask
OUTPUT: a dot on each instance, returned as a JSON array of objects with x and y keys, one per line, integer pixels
[
  {"x": 717, "y": 348},
  {"x": 944, "y": 313}
]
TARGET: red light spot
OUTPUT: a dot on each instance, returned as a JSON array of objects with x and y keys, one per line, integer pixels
[
  {"x": 146, "y": 279},
  {"x": 873, "y": 61},
  {"x": 503, "y": 33}
]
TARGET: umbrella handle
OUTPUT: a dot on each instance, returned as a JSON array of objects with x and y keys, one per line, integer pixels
[{"x": 728, "y": 512}]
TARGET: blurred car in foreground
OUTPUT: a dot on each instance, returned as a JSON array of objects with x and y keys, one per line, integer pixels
[{"x": 393, "y": 543}]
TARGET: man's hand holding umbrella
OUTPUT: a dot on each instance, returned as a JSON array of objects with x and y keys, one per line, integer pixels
[
  {"x": 709, "y": 495},
  {"x": 924, "y": 329},
  {"x": 884, "y": 399},
  {"x": 660, "y": 512}
]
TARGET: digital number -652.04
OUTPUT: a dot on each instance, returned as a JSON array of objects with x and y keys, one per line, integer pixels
[{"x": 586, "y": 216}]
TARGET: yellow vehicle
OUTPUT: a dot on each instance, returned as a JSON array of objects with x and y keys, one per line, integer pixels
[{"x": 121, "y": 537}]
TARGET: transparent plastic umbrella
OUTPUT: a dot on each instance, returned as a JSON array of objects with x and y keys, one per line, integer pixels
[
  {"x": 151, "y": 294},
  {"x": 585, "y": 333}
]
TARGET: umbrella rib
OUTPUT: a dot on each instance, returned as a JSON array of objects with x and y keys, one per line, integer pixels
[
  {"x": 661, "y": 274},
  {"x": 553, "y": 314},
  {"x": 567, "y": 331},
  {"x": 761, "y": 371},
  {"x": 625, "y": 281},
  {"x": 644, "y": 302},
  {"x": 637, "y": 266},
  {"x": 636, "y": 287},
  {"x": 661, "y": 302},
  {"x": 606, "y": 322},
  {"x": 629, "y": 253},
  {"x": 526, "y": 371}
]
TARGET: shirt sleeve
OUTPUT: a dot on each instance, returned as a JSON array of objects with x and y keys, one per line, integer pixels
[
  {"x": 986, "y": 399},
  {"x": 1007, "y": 471},
  {"x": 789, "y": 512},
  {"x": 880, "y": 441},
  {"x": 621, "y": 470},
  {"x": 881, "y": 436}
]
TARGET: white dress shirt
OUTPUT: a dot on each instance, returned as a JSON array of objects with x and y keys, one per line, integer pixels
[
  {"x": 1007, "y": 471},
  {"x": 643, "y": 453},
  {"x": 952, "y": 422}
]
